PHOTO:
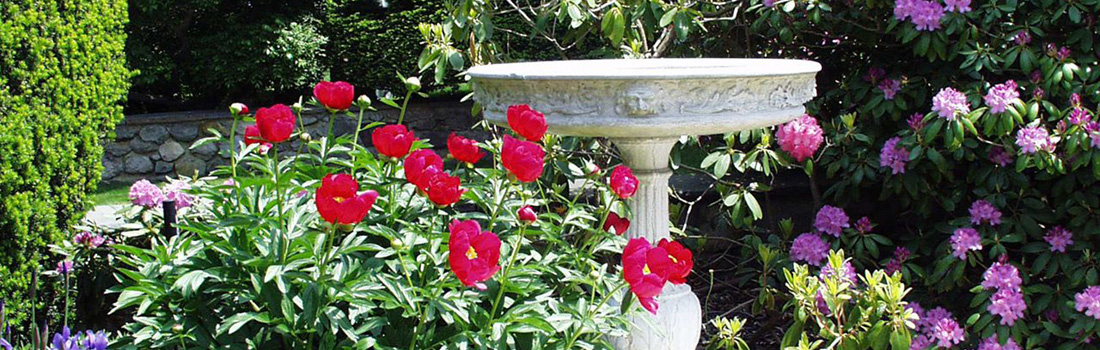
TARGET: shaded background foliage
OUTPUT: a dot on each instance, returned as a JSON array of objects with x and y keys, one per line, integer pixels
[{"x": 63, "y": 78}]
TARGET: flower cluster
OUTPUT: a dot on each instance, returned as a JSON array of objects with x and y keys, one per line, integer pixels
[
  {"x": 889, "y": 87},
  {"x": 893, "y": 156},
  {"x": 960, "y": 6},
  {"x": 801, "y": 137},
  {"x": 1079, "y": 116},
  {"x": 949, "y": 103},
  {"x": 925, "y": 14},
  {"x": 937, "y": 326},
  {"x": 145, "y": 194},
  {"x": 901, "y": 254},
  {"x": 1001, "y": 96},
  {"x": 1009, "y": 304},
  {"x": 864, "y": 225},
  {"x": 647, "y": 268},
  {"x": 999, "y": 156},
  {"x": 965, "y": 239},
  {"x": 831, "y": 220},
  {"x": 1059, "y": 238},
  {"x": 982, "y": 211},
  {"x": 67, "y": 340},
  {"x": 339, "y": 202},
  {"x": 89, "y": 240},
  {"x": 916, "y": 122},
  {"x": 424, "y": 169},
  {"x": 1001, "y": 275},
  {"x": 1033, "y": 139},
  {"x": 847, "y": 273},
  {"x": 463, "y": 149},
  {"x": 991, "y": 343},
  {"x": 474, "y": 255},
  {"x": 1088, "y": 301},
  {"x": 809, "y": 248}
]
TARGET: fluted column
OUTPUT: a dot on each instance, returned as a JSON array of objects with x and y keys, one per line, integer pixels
[{"x": 678, "y": 321}]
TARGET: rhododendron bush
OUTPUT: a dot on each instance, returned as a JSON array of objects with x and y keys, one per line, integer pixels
[
  {"x": 966, "y": 130},
  {"x": 338, "y": 246}
]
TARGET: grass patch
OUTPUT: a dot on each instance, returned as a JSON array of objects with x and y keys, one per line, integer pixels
[{"x": 111, "y": 193}]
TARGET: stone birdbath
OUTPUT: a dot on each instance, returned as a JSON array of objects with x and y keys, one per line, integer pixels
[{"x": 644, "y": 106}]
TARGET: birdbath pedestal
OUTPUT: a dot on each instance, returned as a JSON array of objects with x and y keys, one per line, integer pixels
[{"x": 644, "y": 106}]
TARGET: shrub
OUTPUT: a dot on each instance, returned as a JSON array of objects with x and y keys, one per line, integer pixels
[
  {"x": 337, "y": 247},
  {"x": 62, "y": 78}
]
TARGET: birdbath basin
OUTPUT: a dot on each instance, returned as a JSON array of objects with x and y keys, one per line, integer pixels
[{"x": 644, "y": 106}]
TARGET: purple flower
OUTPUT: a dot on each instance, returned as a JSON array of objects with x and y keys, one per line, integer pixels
[
  {"x": 1009, "y": 304},
  {"x": 1063, "y": 53},
  {"x": 65, "y": 340},
  {"x": 1059, "y": 238},
  {"x": 1079, "y": 116},
  {"x": 176, "y": 191},
  {"x": 65, "y": 267},
  {"x": 947, "y": 333},
  {"x": 889, "y": 87},
  {"x": 930, "y": 318},
  {"x": 999, "y": 156},
  {"x": 1000, "y": 96},
  {"x": 1075, "y": 100},
  {"x": 1032, "y": 139},
  {"x": 965, "y": 239},
  {"x": 991, "y": 343},
  {"x": 809, "y": 247},
  {"x": 146, "y": 194},
  {"x": 1038, "y": 94},
  {"x": 4, "y": 344},
  {"x": 847, "y": 272},
  {"x": 927, "y": 14},
  {"x": 95, "y": 341},
  {"x": 893, "y": 266},
  {"x": 921, "y": 342},
  {"x": 1093, "y": 130},
  {"x": 894, "y": 156},
  {"x": 903, "y": 9},
  {"x": 902, "y": 254},
  {"x": 863, "y": 225},
  {"x": 822, "y": 305},
  {"x": 960, "y": 6},
  {"x": 949, "y": 103},
  {"x": 1088, "y": 301},
  {"x": 1022, "y": 37},
  {"x": 1001, "y": 275},
  {"x": 769, "y": 3},
  {"x": 916, "y": 122},
  {"x": 982, "y": 211},
  {"x": 874, "y": 74},
  {"x": 89, "y": 240},
  {"x": 801, "y": 137},
  {"x": 1036, "y": 76},
  {"x": 831, "y": 220}
]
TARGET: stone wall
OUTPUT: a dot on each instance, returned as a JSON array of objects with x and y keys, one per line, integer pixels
[{"x": 153, "y": 146}]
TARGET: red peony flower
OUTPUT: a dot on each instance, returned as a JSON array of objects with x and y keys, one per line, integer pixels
[
  {"x": 252, "y": 136},
  {"x": 420, "y": 165},
  {"x": 464, "y": 149},
  {"x": 527, "y": 214},
  {"x": 393, "y": 140},
  {"x": 443, "y": 189},
  {"x": 527, "y": 122},
  {"x": 339, "y": 202},
  {"x": 474, "y": 254},
  {"x": 524, "y": 159},
  {"x": 334, "y": 95},
  {"x": 616, "y": 223},
  {"x": 276, "y": 123},
  {"x": 641, "y": 262},
  {"x": 682, "y": 261},
  {"x": 623, "y": 182}
]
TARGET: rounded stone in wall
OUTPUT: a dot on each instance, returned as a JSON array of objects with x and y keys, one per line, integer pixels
[
  {"x": 184, "y": 132},
  {"x": 189, "y": 165},
  {"x": 170, "y": 151},
  {"x": 162, "y": 167},
  {"x": 154, "y": 133},
  {"x": 138, "y": 164},
  {"x": 126, "y": 132},
  {"x": 137, "y": 145},
  {"x": 111, "y": 167},
  {"x": 116, "y": 149},
  {"x": 206, "y": 150}
]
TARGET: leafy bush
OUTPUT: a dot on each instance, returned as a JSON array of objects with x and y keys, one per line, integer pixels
[
  {"x": 62, "y": 78},
  {"x": 1013, "y": 131},
  {"x": 294, "y": 256}
]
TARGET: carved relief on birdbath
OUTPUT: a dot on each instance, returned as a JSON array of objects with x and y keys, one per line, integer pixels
[{"x": 644, "y": 106}]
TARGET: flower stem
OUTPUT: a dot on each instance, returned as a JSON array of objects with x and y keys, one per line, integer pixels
[
  {"x": 233, "y": 146},
  {"x": 66, "y": 323},
  {"x": 512, "y": 259},
  {"x": 404, "y": 107}
]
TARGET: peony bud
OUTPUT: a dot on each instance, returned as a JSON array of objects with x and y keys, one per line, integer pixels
[
  {"x": 305, "y": 136},
  {"x": 396, "y": 243},
  {"x": 297, "y": 107},
  {"x": 177, "y": 328},
  {"x": 412, "y": 84},
  {"x": 363, "y": 102},
  {"x": 238, "y": 109},
  {"x": 527, "y": 214}
]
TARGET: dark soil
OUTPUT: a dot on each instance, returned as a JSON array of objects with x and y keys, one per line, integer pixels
[{"x": 724, "y": 298}]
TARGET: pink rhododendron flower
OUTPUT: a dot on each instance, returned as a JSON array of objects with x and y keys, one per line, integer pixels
[
  {"x": 874, "y": 74},
  {"x": 146, "y": 194},
  {"x": 831, "y": 220},
  {"x": 1093, "y": 130},
  {"x": 1079, "y": 116},
  {"x": 889, "y": 87},
  {"x": 1000, "y": 96},
  {"x": 931, "y": 317},
  {"x": 920, "y": 342},
  {"x": 1022, "y": 38},
  {"x": 89, "y": 240},
  {"x": 822, "y": 305},
  {"x": 948, "y": 333},
  {"x": 894, "y": 156},
  {"x": 999, "y": 156},
  {"x": 965, "y": 239},
  {"x": 848, "y": 272},
  {"x": 982, "y": 211},
  {"x": 960, "y": 6},
  {"x": 991, "y": 343},
  {"x": 863, "y": 225},
  {"x": 892, "y": 266},
  {"x": 1059, "y": 238},
  {"x": 950, "y": 103},
  {"x": 901, "y": 253},
  {"x": 1033, "y": 139},
  {"x": 810, "y": 248},
  {"x": 1088, "y": 301},
  {"x": 1001, "y": 275},
  {"x": 801, "y": 137},
  {"x": 176, "y": 191},
  {"x": 916, "y": 122},
  {"x": 927, "y": 14},
  {"x": 1009, "y": 304}
]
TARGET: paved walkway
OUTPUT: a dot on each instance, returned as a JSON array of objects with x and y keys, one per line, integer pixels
[{"x": 105, "y": 217}]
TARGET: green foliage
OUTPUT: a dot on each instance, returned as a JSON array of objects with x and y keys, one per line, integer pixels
[
  {"x": 206, "y": 51},
  {"x": 62, "y": 78},
  {"x": 865, "y": 312},
  {"x": 254, "y": 265}
]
